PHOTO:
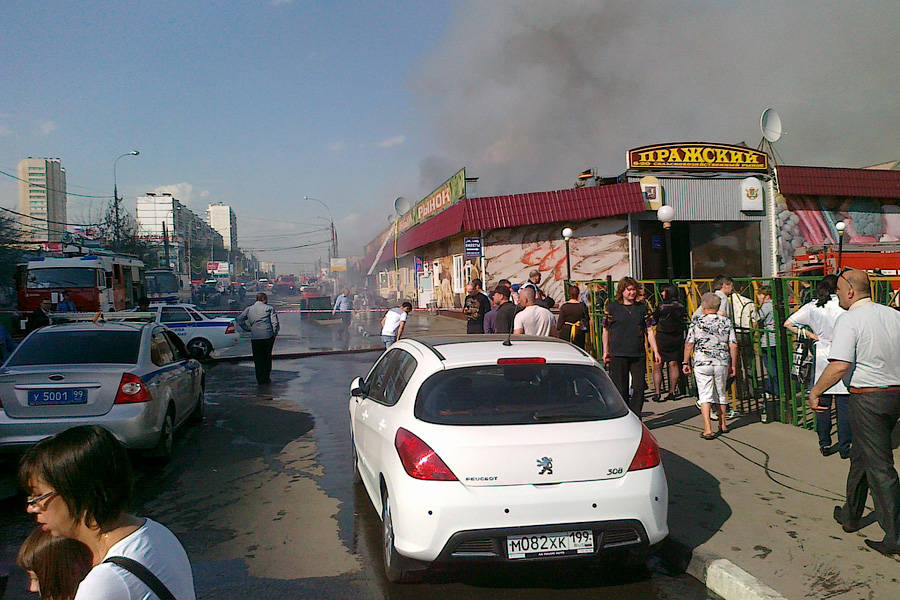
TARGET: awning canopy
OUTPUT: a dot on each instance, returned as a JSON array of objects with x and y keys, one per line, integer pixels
[
  {"x": 833, "y": 181},
  {"x": 534, "y": 208}
]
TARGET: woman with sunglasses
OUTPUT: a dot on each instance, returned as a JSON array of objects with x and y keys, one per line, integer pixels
[{"x": 80, "y": 485}]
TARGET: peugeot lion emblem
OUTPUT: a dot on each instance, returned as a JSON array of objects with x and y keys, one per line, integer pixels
[{"x": 546, "y": 465}]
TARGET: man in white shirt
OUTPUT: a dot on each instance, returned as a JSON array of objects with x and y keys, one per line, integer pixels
[
  {"x": 864, "y": 353},
  {"x": 533, "y": 319},
  {"x": 393, "y": 322}
]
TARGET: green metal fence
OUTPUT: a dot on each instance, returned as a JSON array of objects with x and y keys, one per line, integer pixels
[{"x": 757, "y": 388}]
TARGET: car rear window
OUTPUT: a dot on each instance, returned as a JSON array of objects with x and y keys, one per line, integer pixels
[
  {"x": 78, "y": 347},
  {"x": 518, "y": 395}
]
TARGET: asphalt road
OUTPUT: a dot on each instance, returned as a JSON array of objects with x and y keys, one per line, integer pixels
[{"x": 262, "y": 497}]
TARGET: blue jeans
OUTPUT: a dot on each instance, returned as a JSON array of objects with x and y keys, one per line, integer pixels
[
  {"x": 387, "y": 340},
  {"x": 840, "y": 402},
  {"x": 771, "y": 378}
]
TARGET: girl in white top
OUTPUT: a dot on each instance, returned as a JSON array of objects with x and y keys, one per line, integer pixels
[
  {"x": 80, "y": 485},
  {"x": 820, "y": 316}
]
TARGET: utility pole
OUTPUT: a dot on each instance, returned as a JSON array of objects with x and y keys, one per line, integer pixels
[
  {"x": 118, "y": 225},
  {"x": 166, "y": 244}
]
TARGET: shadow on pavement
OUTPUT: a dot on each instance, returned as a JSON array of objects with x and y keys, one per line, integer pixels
[{"x": 697, "y": 509}]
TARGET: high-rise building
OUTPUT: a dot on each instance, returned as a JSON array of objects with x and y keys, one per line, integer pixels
[
  {"x": 42, "y": 197},
  {"x": 222, "y": 218},
  {"x": 163, "y": 220}
]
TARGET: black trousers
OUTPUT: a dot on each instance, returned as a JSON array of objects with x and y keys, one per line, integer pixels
[
  {"x": 619, "y": 369},
  {"x": 262, "y": 359},
  {"x": 873, "y": 416}
]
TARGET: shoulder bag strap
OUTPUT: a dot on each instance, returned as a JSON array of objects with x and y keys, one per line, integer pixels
[{"x": 144, "y": 574}]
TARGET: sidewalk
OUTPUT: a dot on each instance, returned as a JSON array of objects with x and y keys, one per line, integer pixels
[{"x": 762, "y": 497}]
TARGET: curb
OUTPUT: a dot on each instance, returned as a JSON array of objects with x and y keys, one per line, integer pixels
[
  {"x": 718, "y": 574},
  {"x": 288, "y": 355}
]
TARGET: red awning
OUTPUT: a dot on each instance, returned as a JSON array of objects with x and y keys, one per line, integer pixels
[
  {"x": 577, "y": 204},
  {"x": 831, "y": 181},
  {"x": 499, "y": 212}
]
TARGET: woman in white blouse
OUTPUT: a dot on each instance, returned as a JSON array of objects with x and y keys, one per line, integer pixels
[{"x": 819, "y": 316}]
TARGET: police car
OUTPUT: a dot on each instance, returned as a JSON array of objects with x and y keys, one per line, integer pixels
[{"x": 201, "y": 334}]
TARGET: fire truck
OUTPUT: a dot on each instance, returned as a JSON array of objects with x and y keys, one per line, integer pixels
[
  {"x": 99, "y": 281},
  {"x": 883, "y": 258}
]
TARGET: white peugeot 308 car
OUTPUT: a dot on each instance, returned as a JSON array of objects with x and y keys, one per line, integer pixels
[{"x": 480, "y": 448}]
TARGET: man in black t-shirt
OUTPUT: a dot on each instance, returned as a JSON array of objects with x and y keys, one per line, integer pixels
[
  {"x": 476, "y": 305},
  {"x": 626, "y": 326}
]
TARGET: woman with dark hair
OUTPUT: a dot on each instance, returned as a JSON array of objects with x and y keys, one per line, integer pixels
[
  {"x": 627, "y": 327},
  {"x": 818, "y": 318},
  {"x": 572, "y": 324},
  {"x": 80, "y": 486},
  {"x": 670, "y": 318},
  {"x": 55, "y": 565}
]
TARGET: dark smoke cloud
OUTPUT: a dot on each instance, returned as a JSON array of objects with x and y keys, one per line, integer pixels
[{"x": 528, "y": 94}]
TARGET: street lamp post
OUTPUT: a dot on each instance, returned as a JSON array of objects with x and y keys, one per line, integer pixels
[
  {"x": 666, "y": 214},
  {"x": 116, "y": 193},
  {"x": 840, "y": 226},
  {"x": 333, "y": 248},
  {"x": 567, "y": 235}
]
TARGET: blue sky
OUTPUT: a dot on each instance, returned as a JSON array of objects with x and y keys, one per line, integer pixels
[{"x": 257, "y": 104}]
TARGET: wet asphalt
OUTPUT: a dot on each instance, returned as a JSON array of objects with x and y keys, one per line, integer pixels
[{"x": 262, "y": 497}]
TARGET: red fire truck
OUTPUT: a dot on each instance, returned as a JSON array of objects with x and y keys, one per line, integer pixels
[{"x": 101, "y": 281}]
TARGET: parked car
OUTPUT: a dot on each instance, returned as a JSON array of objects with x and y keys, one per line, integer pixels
[
  {"x": 483, "y": 451},
  {"x": 201, "y": 334},
  {"x": 135, "y": 379}
]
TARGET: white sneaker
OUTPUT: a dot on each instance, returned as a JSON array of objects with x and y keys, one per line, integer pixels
[
  {"x": 732, "y": 414},
  {"x": 713, "y": 416}
]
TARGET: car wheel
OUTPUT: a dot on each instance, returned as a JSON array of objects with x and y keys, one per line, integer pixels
[
  {"x": 199, "y": 410},
  {"x": 199, "y": 348},
  {"x": 393, "y": 569},
  {"x": 164, "y": 448}
]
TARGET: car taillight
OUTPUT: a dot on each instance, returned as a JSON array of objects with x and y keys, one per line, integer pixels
[
  {"x": 230, "y": 328},
  {"x": 419, "y": 460},
  {"x": 132, "y": 390},
  {"x": 647, "y": 455}
]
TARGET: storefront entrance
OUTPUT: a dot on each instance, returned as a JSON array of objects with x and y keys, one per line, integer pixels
[{"x": 702, "y": 249}]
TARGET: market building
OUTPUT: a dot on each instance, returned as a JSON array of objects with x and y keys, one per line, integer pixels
[
  {"x": 449, "y": 238},
  {"x": 732, "y": 212},
  {"x": 719, "y": 194}
]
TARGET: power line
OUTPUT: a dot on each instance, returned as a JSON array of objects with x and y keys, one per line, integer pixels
[
  {"x": 38, "y": 185},
  {"x": 289, "y": 247},
  {"x": 9, "y": 210}
]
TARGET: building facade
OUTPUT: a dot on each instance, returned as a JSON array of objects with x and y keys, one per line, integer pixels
[
  {"x": 221, "y": 217},
  {"x": 506, "y": 237},
  {"x": 42, "y": 198},
  {"x": 170, "y": 226}
]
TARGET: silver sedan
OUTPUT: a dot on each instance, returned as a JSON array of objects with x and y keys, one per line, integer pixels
[{"x": 135, "y": 379}]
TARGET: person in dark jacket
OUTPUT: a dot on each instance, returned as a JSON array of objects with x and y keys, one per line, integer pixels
[
  {"x": 506, "y": 310},
  {"x": 261, "y": 321},
  {"x": 670, "y": 319},
  {"x": 40, "y": 317},
  {"x": 572, "y": 324}
]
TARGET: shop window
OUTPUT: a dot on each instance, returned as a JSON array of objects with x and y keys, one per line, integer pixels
[{"x": 459, "y": 276}]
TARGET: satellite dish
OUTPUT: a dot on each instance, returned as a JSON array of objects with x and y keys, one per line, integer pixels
[
  {"x": 401, "y": 205},
  {"x": 770, "y": 124}
]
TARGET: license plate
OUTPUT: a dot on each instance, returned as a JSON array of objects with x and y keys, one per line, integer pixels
[
  {"x": 563, "y": 543},
  {"x": 54, "y": 397}
]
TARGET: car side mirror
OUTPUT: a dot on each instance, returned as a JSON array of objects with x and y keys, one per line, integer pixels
[{"x": 357, "y": 388}]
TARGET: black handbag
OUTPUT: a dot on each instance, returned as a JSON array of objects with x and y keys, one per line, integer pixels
[
  {"x": 803, "y": 359},
  {"x": 144, "y": 574}
]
